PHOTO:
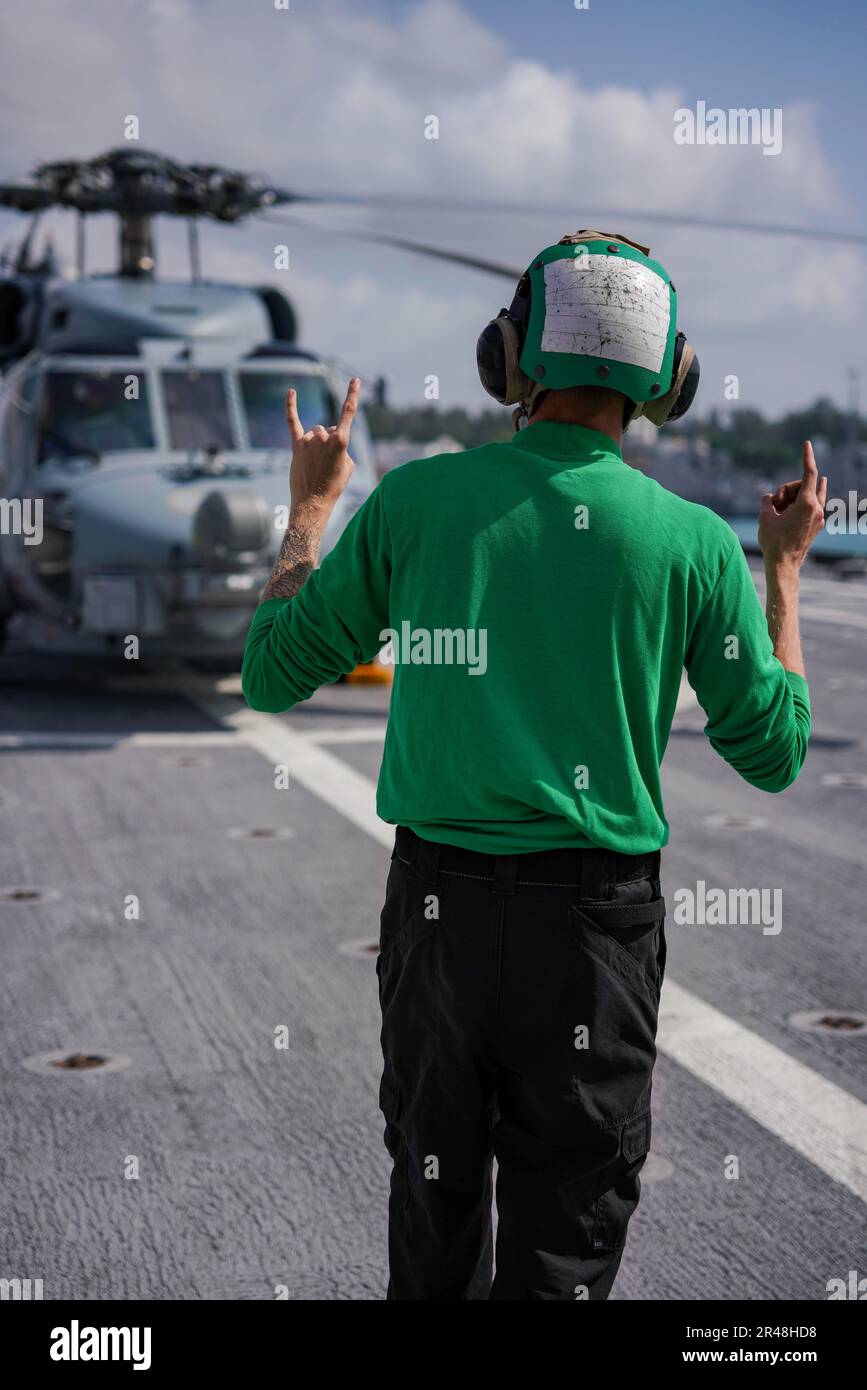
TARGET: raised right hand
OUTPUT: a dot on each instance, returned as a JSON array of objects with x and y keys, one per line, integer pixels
[{"x": 792, "y": 517}]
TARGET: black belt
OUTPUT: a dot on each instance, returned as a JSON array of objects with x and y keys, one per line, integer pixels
[{"x": 594, "y": 872}]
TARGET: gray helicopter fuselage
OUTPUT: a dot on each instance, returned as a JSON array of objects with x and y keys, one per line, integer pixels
[{"x": 146, "y": 433}]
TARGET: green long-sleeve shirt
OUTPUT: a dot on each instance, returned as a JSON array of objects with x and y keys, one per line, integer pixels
[{"x": 570, "y": 591}]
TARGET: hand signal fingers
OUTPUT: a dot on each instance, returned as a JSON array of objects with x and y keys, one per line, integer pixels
[
  {"x": 811, "y": 472},
  {"x": 296, "y": 429},
  {"x": 348, "y": 411},
  {"x": 786, "y": 494}
]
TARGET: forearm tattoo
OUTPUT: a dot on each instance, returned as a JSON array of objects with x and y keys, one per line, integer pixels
[{"x": 297, "y": 558}]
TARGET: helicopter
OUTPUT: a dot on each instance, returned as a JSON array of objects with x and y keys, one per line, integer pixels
[{"x": 143, "y": 452}]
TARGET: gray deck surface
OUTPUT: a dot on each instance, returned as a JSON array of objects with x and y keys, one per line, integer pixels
[{"x": 261, "y": 1167}]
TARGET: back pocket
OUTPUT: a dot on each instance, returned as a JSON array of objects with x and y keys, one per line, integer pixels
[
  {"x": 407, "y": 901},
  {"x": 616, "y": 998},
  {"x": 634, "y": 950}
]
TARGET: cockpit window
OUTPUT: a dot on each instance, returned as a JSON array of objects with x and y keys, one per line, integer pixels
[
  {"x": 93, "y": 412},
  {"x": 264, "y": 395},
  {"x": 197, "y": 409}
]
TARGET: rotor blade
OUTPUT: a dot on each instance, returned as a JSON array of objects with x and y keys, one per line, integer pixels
[
  {"x": 142, "y": 182},
  {"x": 404, "y": 244},
  {"x": 24, "y": 197},
  {"x": 632, "y": 215}
]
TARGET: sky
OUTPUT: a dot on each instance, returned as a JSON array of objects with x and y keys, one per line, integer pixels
[{"x": 566, "y": 114}]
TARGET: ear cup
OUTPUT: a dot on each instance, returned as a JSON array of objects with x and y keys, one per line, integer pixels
[
  {"x": 498, "y": 353},
  {"x": 491, "y": 361},
  {"x": 688, "y": 387},
  {"x": 681, "y": 393},
  {"x": 518, "y": 384}
]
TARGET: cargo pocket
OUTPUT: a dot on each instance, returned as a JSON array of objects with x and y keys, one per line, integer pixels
[
  {"x": 627, "y": 936},
  {"x": 618, "y": 1198},
  {"x": 614, "y": 993},
  {"x": 395, "y": 1143},
  {"x": 396, "y": 942},
  {"x": 661, "y": 954},
  {"x": 406, "y": 911}
]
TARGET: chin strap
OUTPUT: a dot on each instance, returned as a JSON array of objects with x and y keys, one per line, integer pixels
[{"x": 526, "y": 408}]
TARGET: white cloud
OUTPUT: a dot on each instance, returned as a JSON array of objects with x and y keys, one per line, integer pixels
[{"x": 334, "y": 97}]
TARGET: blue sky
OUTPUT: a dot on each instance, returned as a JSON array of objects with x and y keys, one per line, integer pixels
[
  {"x": 731, "y": 53},
  {"x": 727, "y": 52}
]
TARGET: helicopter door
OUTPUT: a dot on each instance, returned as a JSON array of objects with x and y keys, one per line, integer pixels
[
  {"x": 18, "y": 423},
  {"x": 15, "y": 322}
]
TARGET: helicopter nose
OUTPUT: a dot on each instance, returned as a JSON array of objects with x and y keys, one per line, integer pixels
[{"x": 231, "y": 527}]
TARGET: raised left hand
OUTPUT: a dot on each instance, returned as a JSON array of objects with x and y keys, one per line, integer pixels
[{"x": 321, "y": 464}]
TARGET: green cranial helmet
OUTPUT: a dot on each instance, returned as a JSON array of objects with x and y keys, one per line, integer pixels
[
  {"x": 593, "y": 310},
  {"x": 602, "y": 313}
]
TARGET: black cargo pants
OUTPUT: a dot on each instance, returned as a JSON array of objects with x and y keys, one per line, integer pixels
[{"x": 519, "y": 1001}]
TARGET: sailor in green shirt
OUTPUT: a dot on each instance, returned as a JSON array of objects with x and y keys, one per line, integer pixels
[{"x": 540, "y": 600}]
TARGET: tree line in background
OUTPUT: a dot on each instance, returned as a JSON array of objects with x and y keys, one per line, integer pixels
[
  {"x": 752, "y": 441},
  {"x": 748, "y": 438},
  {"x": 421, "y": 424}
]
